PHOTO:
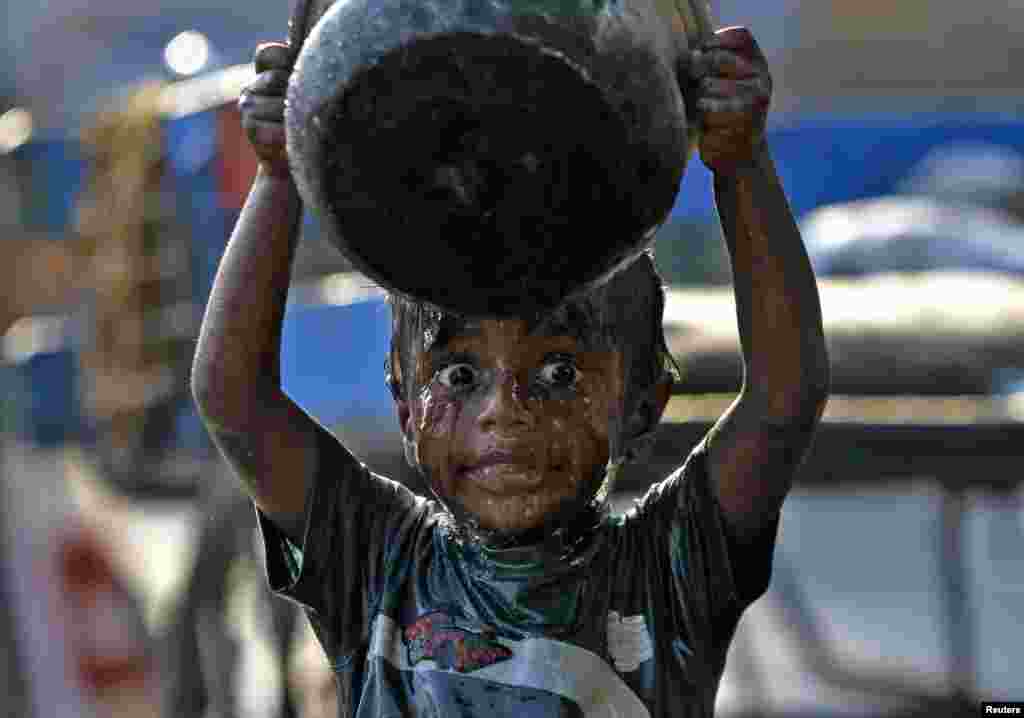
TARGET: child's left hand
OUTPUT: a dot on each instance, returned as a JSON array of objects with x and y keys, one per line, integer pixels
[{"x": 728, "y": 88}]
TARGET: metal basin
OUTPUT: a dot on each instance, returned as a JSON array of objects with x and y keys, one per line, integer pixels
[{"x": 491, "y": 157}]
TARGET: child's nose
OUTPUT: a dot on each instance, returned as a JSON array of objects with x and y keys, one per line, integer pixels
[{"x": 506, "y": 405}]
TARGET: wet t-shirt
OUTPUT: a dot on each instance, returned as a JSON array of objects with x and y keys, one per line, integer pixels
[{"x": 636, "y": 622}]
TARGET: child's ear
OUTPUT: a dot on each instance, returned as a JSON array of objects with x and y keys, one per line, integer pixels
[
  {"x": 405, "y": 423},
  {"x": 639, "y": 431},
  {"x": 649, "y": 409},
  {"x": 661, "y": 393},
  {"x": 404, "y": 412},
  {"x": 393, "y": 378}
]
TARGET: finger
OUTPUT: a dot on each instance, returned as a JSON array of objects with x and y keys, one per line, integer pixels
[
  {"x": 270, "y": 109},
  {"x": 273, "y": 56},
  {"x": 724, "y": 111},
  {"x": 722, "y": 147},
  {"x": 757, "y": 90},
  {"x": 271, "y": 82},
  {"x": 728, "y": 141},
  {"x": 719, "y": 87},
  {"x": 728, "y": 102},
  {"x": 735, "y": 39},
  {"x": 264, "y": 134},
  {"x": 722, "y": 63}
]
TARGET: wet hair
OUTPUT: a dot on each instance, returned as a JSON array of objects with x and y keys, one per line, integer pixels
[{"x": 623, "y": 314}]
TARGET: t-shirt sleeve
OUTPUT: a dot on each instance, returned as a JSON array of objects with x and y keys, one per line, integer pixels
[
  {"x": 711, "y": 576},
  {"x": 357, "y": 525}
]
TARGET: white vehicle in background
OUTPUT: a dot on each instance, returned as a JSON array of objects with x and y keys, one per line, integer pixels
[{"x": 961, "y": 208}]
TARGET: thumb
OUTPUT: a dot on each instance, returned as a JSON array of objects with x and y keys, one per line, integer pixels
[{"x": 273, "y": 56}]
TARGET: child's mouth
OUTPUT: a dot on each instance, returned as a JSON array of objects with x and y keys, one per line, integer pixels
[{"x": 503, "y": 472}]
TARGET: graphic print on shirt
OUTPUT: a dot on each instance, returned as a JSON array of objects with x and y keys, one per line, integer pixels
[
  {"x": 460, "y": 668},
  {"x": 439, "y": 637}
]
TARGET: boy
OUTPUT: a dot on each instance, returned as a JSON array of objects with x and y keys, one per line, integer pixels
[{"x": 514, "y": 592}]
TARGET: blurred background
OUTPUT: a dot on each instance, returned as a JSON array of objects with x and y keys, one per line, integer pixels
[{"x": 130, "y": 581}]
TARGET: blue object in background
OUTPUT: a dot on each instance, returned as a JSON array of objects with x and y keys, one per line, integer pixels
[
  {"x": 191, "y": 147},
  {"x": 51, "y": 415},
  {"x": 191, "y": 150},
  {"x": 40, "y": 382},
  {"x": 40, "y": 369},
  {"x": 55, "y": 173},
  {"x": 826, "y": 159},
  {"x": 332, "y": 361}
]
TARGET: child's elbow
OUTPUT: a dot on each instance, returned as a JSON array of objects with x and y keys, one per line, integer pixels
[
  {"x": 203, "y": 395},
  {"x": 209, "y": 393},
  {"x": 794, "y": 394},
  {"x": 812, "y": 382},
  {"x": 814, "y": 392},
  {"x": 817, "y": 400}
]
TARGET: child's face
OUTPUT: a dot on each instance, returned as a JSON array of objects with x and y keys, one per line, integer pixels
[{"x": 508, "y": 423}]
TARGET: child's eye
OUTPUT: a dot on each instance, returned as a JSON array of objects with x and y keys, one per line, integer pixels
[
  {"x": 559, "y": 373},
  {"x": 457, "y": 376}
]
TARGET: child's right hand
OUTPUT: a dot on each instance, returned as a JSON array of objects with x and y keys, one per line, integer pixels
[{"x": 262, "y": 106}]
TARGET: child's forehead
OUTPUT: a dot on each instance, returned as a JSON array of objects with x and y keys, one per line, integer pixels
[{"x": 552, "y": 330}]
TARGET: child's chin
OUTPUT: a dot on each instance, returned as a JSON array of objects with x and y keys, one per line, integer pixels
[
  {"x": 503, "y": 480},
  {"x": 513, "y": 514},
  {"x": 511, "y": 518},
  {"x": 526, "y": 517}
]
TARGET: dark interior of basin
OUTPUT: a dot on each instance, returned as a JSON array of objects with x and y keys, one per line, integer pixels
[{"x": 485, "y": 175}]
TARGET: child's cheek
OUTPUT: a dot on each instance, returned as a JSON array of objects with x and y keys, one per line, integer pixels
[
  {"x": 579, "y": 431},
  {"x": 438, "y": 416},
  {"x": 560, "y": 428},
  {"x": 598, "y": 410}
]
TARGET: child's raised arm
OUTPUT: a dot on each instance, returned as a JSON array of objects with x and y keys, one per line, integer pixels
[
  {"x": 755, "y": 448},
  {"x": 274, "y": 447}
]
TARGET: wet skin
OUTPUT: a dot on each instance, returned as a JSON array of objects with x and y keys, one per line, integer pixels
[{"x": 508, "y": 423}]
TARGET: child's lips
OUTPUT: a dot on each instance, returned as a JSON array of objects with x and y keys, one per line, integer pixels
[{"x": 503, "y": 471}]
